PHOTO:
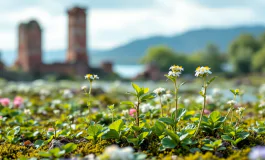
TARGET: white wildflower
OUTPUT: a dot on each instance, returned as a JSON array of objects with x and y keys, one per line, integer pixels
[
  {"x": 174, "y": 74},
  {"x": 202, "y": 71},
  {"x": 91, "y": 77},
  {"x": 167, "y": 97},
  {"x": 262, "y": 104},
  {"x": 231, "y": 102},
  {"x": 145, "y": 108},
  {"x": 160, "y": 91},
  {"x": 27, "y": 111},
  {"x": 83, "y": 88},
  {"x": 67, "y": 93},
  {"x": 125, "y": 112},
  {"x": 56, "y": 111},
  {"x": 240, "y": 110}
]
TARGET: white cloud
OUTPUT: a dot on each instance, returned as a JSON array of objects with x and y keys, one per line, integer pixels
[{"x": 112, "y": 27}]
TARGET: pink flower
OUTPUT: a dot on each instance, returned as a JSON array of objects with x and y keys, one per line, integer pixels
[
  {"x": 18, "y": 102},
  {"x": 132, "y": 111},
  {"x": 5, "y": 102},
  {"x": 51, "y": 130},
  {"x": 1, "y": 117},
  {"x": 18, "y": 98},
  {"x": 206, "y": 111}
]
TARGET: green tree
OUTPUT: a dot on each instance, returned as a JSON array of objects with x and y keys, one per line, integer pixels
[
  {"x": 241, "y": 52},
  {"x": 262, "y": 39},
  {"x": 258, "y": 61},
  {"x": 210, "y": 56},
  {"x": 162, "y": 56}
]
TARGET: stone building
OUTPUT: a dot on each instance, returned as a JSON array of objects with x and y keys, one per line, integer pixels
[{"x": 30, "y": 47}]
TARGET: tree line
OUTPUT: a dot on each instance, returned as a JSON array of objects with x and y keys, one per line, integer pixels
[{"x": 245, "y": 54}]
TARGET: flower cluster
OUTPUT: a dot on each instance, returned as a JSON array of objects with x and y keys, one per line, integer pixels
[
  {"x": 202, "y": 71},
  {"x": 168, "y": 97},
  {"x": 231, "y": 102},
  {"x": 175, "y": 71},
  {"x": 240, "y": 110},
  {"x": 91, "y": 77},
  {"x": 160, "y": 91}
]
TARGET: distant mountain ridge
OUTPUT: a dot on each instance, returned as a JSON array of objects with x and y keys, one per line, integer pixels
[
  {"x": 187, "y": 42},
  {"x": 130, "y": 53}
]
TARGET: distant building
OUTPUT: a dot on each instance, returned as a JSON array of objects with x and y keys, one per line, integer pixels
[{"x": 30, "y": 47}]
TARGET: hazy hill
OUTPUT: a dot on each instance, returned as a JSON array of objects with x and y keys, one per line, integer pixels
[{"x": 187, "y": 42}]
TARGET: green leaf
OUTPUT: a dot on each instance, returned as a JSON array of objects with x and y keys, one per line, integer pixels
[
  {"x": 147, "y": 96},
  {"x": 117, "y": 125},
  {"x": 136, "y": 88},
  {"x": 168, "y": 121},
  {"x": 16, "y": 129},
  {"x": 168, "y": 143},
  {"x": 127, "y": 103},
  {"x": 111, "y": 107},
  {"x": 181, "y": 84},
  {"x": 110, "y": 134},
  {"x": 233, "y": 91},
  {"x": 207, "y": 148},
  {"x": 201, "y": 93},
  {"x": 38, "y": 143},
  {"x": 211, "y": 80},
  {"x": 227, "y": 138},
  {"x": 159, "y": 128},
  {"x": 172, "y": 135},
  {"x": 136, "y": 128},
  {"x": 181, "y": 112},
  {"x": 94, "y": 130},
  {"x": 194, "y": 150},
  {"x": 221, "y": 149},
  {"x": 237, "y": 141},
  {"x": 78, "y": 134},
  {"x": 217, "y": 143},
  {"x": 44, "y": 154},
  {"x": 69, "y": 147},
  {"x": 134, "y": 141},
  {"x": 143, "y": 135},
  {"x": 215, "y": 116},
  {"x": 243, "y": 135},
  {"x": 183, "y": 136}
]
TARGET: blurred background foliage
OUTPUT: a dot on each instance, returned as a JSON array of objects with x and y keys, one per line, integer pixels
[{"x": 245, "y": 54}]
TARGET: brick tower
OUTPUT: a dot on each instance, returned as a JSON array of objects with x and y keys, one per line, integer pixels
[
  {"x": 77, "y": 47},
  {"x": 29, "y": 46}
]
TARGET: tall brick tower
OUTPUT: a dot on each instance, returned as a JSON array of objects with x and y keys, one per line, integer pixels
[
  {"x": 29, "y": 46},
  {"x": 77, "y": 47}
]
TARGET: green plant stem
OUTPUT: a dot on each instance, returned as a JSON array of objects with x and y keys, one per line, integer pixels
[
  {"x": 90, "y": 88},
  {"x": 161, "y": 105},
  {"x": 112, "y": 116},
  {"x": 204, "y": 104},
  {"x": 137, "y": 112},
  {"x": 169, "y": 108},
  {"x": 228, "y": 113},
  {"x": 176, "y": 97},
  {"x": 232, "y": 117}
]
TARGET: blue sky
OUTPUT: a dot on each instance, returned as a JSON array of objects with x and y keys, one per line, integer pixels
[{"x": 114, "y": 22}]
